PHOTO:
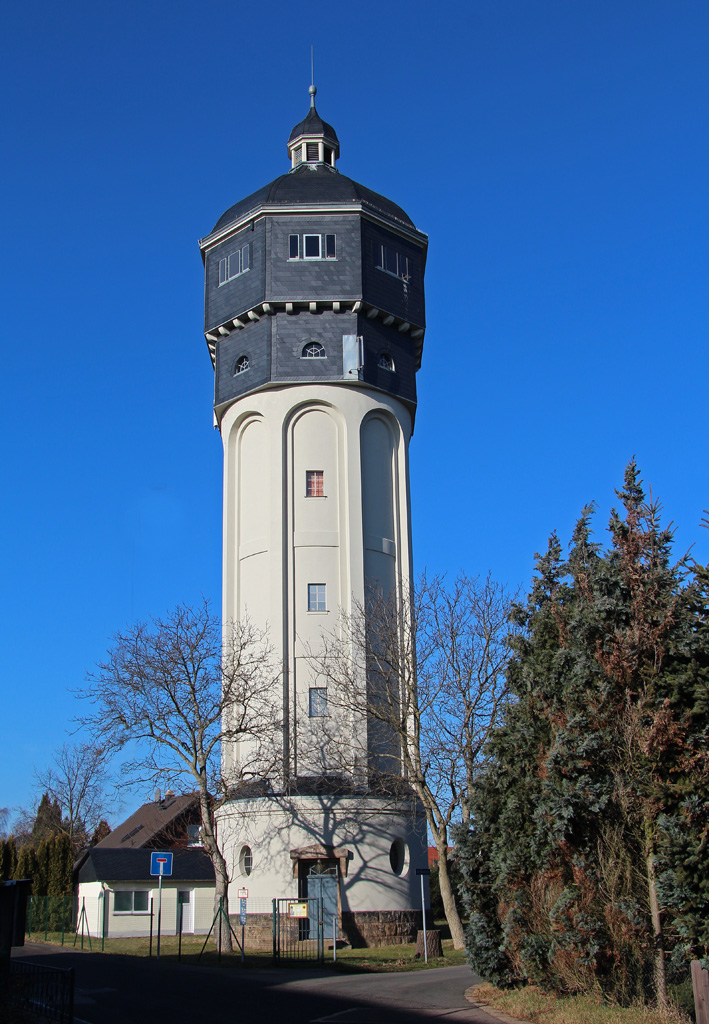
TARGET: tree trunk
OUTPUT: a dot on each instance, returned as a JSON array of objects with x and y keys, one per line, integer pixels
[
  {"x": 433, "y": 944},
  {"x": 222, "y": 931},
  {"x": 658, "y": 964},
  {"x": 449, "y": 907}
]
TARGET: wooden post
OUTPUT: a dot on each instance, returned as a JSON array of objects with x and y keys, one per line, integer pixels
[{"x": 700, "y": 985}]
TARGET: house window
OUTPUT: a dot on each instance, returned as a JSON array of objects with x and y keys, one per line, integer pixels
[
  {"x": 393, "y": 262},
  {"x": 386, "y": 362},
  {"x": 317, "y": 702},
  {"x": 316, "y": 597},
  {"x": 242, "y": 364},
  {"x": 313, "y": 350},
  {"x": 314, "y": 483},
  {"x": 131, "y": 902},
  {"x": 235, "y": 263},
  {"x": 246, "y": 860},
  {"x": 193, "y": 836},
  {"x": 312, "y": 247}
]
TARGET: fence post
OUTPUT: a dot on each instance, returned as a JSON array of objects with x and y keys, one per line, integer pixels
[
  {"x": 46, "y": 917},
  {"x": 150, "y": 950},
  {"x": 63, "y": 916},
  {"x": 700, "y": 985},
  {"x": 179, "y": 944},
  {"x": 274, "y": 929},
  {"x": 221, "y": 914}
]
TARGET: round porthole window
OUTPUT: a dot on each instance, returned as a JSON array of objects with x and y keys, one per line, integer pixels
[
  {"x": 246, "y": 860},
  {"x": 397, "y": 856}
]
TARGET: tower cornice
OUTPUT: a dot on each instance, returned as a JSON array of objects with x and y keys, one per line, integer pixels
[{"x": 312, "y": 209}]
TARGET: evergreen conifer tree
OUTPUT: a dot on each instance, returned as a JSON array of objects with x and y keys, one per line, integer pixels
[{"x": 561, "y": 865}]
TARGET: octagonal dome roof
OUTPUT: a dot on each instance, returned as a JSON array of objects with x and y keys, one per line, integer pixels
[{"x": 313, "y": 185}]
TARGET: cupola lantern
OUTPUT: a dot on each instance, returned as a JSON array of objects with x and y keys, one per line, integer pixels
[{"x": 313, "y": 141}]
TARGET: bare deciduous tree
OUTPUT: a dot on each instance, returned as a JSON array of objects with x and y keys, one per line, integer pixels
[
  {"x": 176, "y": 690},
  {"x": 427, "y": 675},
  {"x": 78, "y": 780}
]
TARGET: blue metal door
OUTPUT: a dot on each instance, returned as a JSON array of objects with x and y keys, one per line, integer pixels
[{"x": 323, "y": 885}]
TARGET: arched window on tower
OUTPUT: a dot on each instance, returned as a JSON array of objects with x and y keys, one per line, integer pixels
[
  {"x": 242, "y": 364},
  {"x": 313, "y": 350},
  {"x": 386, "y": 362}
]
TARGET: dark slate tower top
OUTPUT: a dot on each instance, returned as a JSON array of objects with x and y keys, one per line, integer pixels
[{"x": 314, "y": 278}]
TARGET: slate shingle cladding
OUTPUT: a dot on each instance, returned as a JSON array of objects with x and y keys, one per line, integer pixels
[
  {"x": 275, "y": 344},
  {"x": 353, "y": 280}
]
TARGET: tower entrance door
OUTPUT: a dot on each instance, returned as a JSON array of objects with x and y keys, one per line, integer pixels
[{"x": 322, "y": 884}]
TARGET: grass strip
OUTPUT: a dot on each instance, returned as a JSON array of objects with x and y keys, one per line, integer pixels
[{"x": 532, "y": 1004}]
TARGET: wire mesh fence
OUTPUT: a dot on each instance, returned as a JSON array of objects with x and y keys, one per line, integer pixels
[
  {"x": 130, "y": 919},
  {"x": 40, "y": 992}
]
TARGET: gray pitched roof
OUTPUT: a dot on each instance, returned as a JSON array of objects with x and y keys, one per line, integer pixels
[
  {"x": 134, "y": 866},
  {"x": 313, "y": 124},
  {"x": 312, "y": 185},
  {"x": 147, "y": 822}
]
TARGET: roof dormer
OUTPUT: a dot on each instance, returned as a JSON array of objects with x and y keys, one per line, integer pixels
[{"x": 313, "y": 141}]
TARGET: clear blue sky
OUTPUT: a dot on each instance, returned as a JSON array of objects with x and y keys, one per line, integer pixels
[{"x": 556, "y": 153}]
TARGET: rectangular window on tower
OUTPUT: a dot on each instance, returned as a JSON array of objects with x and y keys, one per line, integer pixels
[
  {"x": 393, "y": 262},
  {"x": 316, "y": 597},
  {"x": 234, "y": 264},
  {"x": 314, "y": 483},
  {"x": 312, "y": 247},
  {"x": 318, "y": 702}
]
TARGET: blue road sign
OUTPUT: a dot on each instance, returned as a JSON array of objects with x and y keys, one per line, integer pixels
[
  {"x": 242, "y": 911},
  {"x": 160, "y": 863}
]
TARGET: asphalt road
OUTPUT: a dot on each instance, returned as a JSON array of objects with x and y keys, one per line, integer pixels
[{"x": 136, "y": 990}]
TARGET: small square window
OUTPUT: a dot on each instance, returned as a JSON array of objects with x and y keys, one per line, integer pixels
[
  {"x": 314, "y": 483},
  {"x": 294, "y": 248},
  {"x": 311, "y": 245},
  {"x": 140, "y": 901},
  {"x": 330, "y": 247},
  {"x": 318, "y": 702},
  {"x": 316, "y": 597},
  {"x": 123, "y": 903}
]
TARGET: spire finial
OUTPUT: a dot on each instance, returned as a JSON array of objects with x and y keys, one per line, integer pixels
[{"x": 312, "y": 90}]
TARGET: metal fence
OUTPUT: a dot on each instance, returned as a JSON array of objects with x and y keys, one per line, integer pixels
[
  {"x": 298, "y": 929},
  {"x": 46, "y": 992}
]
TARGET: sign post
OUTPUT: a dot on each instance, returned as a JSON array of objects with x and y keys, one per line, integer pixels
[
  {"x": 243, "y": 896},
  {"x": 160, "y": 864},
  {"x": 424, "y": 872}
]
